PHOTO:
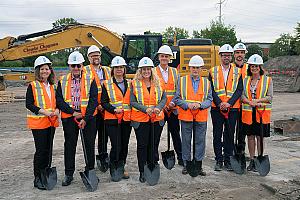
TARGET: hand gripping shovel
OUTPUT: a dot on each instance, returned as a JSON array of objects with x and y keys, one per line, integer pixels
[
  {"x": 49, "y": 174},
  {"x": 117, "y": 167},
  {"x": 168, "y": 156},
  {"x": 152, "y": 170},
  {"x": 193, "y": 167},
  {"x": 262, "y": 162},
  {"x": 235, "y": 162},
  {"x": 89, "y": 178},
  {"x": 102, "y": 159}
]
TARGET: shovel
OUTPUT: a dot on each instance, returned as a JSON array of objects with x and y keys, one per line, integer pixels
[
  {"x": 89, "y": 178},
  {"x": 262, "y": 162},
  {"x": 152, "y": 170},
  {"x": 49, "y": 174},
  {"x": 193, "y": 167},
  {"x": 235, "y": 161},
  {"x": 102, "y": 159},
  {"x": 168, "y": 156},
  {"x": 117, "y": 167}
]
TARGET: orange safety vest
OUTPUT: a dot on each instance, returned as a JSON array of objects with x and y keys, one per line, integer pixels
[
  {"x": 187, "y": 94},
  {"x": 225, "y": 93},
  {"x": 41, "y": 100},
  {"x": 243, "y": 69},
  {"x": 117, "y": 100},
  {"x": 170, "y": 86},
  {"x": 86, "y": 81},
  {"x": 145, "y": 98},
  {"x": 261, "y": 92}
]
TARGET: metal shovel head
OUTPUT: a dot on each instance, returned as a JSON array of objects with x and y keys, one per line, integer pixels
[
  {"x": 236, "y": 164},
  {"x": 117, "y": 171},
  {"x": 49, "y": 177},
  {"x": 152, "y": 173},
  {"x": 102, "y": 162},
  {"x": 90, "y": 180},
  {"x": 262, "y": 164},
  {"x": 193, "y": 167},
  {"x": 168, "y": 158}
]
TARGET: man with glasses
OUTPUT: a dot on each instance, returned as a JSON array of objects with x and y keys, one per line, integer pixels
[
  {"x": 76, "y": 97},
  {"x": 227, "y": 87}
]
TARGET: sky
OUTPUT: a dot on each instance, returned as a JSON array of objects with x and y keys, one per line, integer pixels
[{"x": 254, "y": 20}]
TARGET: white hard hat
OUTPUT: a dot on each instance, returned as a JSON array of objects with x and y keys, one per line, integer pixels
[
  {"x": 226, "y": 48},
  {"x": 75, "y": 58},
  {"x": 145, "y": 62},
  {"x": 41, "y": 60},
  {"x": 196, "y": 61},
  {"x": 240, "y": 47},
  {"x": 118, "y": 61},
  {"x": 255, "y": 59},
  {"x": 165, "y": 49},
  {"x": 92, "y": 49}
]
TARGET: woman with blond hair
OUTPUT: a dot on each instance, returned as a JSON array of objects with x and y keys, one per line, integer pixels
[{"x": 147, "y": 99}]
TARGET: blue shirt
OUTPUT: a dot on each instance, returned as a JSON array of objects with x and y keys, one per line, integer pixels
[{"x": 195, "y": 83}]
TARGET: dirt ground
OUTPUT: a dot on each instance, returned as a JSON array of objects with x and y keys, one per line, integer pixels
[{"x": 17, "y": 148}]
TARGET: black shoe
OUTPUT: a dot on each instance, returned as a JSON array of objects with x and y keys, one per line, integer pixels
[
  {"x": 219, "y": 166},
  {"x": 201, "y": 172},
  {"x": 38, "y": 184},
  {"x": 142, "y": 177},
  {"x": 251, "y": 166},
  {"x": 227, "y": 166},
  {"x": 67, "y": 180},
  {"x": 184, "y": 171},
  {"x": 180, "y": 162}
]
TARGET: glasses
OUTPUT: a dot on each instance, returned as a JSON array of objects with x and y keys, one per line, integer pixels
[
  {"x": 95, "y": 56},
  {"x": 224, "y": 55},
  {"x": 78, "y": 66}
]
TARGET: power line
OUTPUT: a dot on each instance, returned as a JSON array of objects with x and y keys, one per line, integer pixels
[{"x": 220, "y": 10}]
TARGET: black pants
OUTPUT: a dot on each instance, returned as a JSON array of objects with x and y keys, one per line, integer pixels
[
  {"x": 220, "y": 129},
  {"x": 144, "y": 149},
  {"x": 119, "y": 138},
  {"x": 241, "y": 135},
  {"x": 102, "y": 137},
  {"x": 71, "y": 132},
  {"x": 174, "y": 128},
  {"x": 43, "y": 140}
]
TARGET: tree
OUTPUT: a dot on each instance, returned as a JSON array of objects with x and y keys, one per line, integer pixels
[
  {"x": 64, "y": 22},
  {"x": 219, "y": 33},
  {"x": 283, "y": 46},
  {"x": 169, "y": 33},
  {"x": 255, "y": 49},
  {"x": 297, "y": 39}
]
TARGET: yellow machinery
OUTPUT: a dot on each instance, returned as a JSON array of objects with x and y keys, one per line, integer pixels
[{"x": 131, "y": 47}]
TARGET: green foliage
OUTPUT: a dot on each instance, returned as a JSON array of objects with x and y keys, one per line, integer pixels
[
  {"x": 169, "y": 33},
  {"x": 219, "y": 33},
  {"x": 297, "y": 39},
  {"x": 283, "y": 46},
  {"x": 64, "y": 22}
]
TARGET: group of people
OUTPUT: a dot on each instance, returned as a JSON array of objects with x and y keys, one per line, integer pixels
[{"x": 102, "y": 100}]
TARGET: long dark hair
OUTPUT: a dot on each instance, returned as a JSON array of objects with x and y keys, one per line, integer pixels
[
  {"x": 51, "y": 78},
  {"x": 261, "y": 71}
]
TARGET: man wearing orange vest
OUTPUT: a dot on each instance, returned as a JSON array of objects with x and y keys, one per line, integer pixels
[
  {"x": 227, "y": 87},
  {"x": 168, "y": 77},
  {"x": 100, "y": 73},
  {"x": 194, "y": 97},
  {"x": 76, "y": 97}
]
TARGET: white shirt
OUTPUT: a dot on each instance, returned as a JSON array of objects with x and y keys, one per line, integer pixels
[
  {"x": 47, "y": 86},
  {"x": 100, "y": 74},
  {"x": 164, "y": 73},
  {"x": 225, "y": 74}
]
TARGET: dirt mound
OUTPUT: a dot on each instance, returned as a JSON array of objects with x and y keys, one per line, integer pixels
[{"x": 283, "y": 62}]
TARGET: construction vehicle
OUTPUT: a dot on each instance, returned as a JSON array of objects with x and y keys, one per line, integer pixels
[{"x": 131, "y": 47}]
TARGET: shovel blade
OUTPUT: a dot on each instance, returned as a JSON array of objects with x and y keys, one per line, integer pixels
[
  {"x": 262, "y": 164},
  {"x": 152, "y": 173},
  {"x": 90, "y": 180},
  {"x": 102, "y": 161},
  {"x": 236, "y": 164},
  {"x": 168, "y": 158},
  {"x": 193, "y": 167},
  {"x": 117, "y": 171},
  {"x": 49, "y": 177}
]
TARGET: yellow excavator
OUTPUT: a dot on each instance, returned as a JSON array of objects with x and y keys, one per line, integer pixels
[{"x": 131, "y": 47}]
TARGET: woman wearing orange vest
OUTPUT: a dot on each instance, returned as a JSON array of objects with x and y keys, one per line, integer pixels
[
  {"x": 257, "y": 97},
  {"x": 146, "y": 98},
  {"x": 194, "y": 97},
  {"x": 42, "y": 115},
  {"x": 115, "y": 100}
]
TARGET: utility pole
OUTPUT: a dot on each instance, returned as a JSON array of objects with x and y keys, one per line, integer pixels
[{"x": 220, "y": 10}]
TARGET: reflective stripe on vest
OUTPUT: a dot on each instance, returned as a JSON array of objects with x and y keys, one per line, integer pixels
[{"x": 204, "y": 83}]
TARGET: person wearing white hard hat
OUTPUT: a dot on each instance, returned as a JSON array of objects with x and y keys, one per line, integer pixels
[
  {"x": 147, "y": 99},
  {"x": 168, "y": 77},
  {"x": 100, "y": 74},
  {"x": 193, "y": 97},
  {"x": 42, "y": 116},
  {"x": 256, "y": 99},
  {"x": 115, "y": 100},
  {"x": 227, "y": 87},
  {"x": 76, "y": 96}
]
